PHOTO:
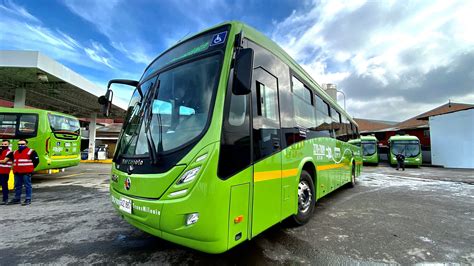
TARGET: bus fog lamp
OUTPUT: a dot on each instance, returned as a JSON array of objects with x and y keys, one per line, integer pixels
[
  {"x": 189, "y": 175},
  {"x": 192, "y": 218}
]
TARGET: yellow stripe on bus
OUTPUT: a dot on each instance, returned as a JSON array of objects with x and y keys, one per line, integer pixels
[
  {"x": 65, "y": 157},
  {"x": 269, "y": 175},
  {"x": 329, "y": 166},
  {"x": 289, "y": 172}
]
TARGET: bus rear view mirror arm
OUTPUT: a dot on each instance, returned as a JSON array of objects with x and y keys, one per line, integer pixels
[
  {"x": 242, "y": 82},
  {"x": 106, "y": 100}
]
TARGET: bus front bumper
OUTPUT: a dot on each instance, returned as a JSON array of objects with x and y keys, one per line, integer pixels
[
  {"x": 57, "y": 162},
  {"x": 148, "y": 215},
  {"x": 409, "y": 161},
  {"x": 372, "y": 159}
]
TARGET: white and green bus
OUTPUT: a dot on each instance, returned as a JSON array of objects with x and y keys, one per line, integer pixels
[
  {"x": 408, "y": 146},
  {"x": 226, "y": 136}
]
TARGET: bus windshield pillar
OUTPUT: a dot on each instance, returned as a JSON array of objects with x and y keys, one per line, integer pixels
[
  {"x": 20, "y": 98},
  {"x": 92, "y": 131}
]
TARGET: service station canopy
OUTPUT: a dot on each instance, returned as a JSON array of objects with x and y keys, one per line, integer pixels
[{"x": 51, "y": 86}]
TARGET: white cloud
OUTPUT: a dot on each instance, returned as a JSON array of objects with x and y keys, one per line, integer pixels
[
  {"x": 390, "y": 43},
  {"x": 13, "y": 9},
  {"x": 31, "y": 34},
  {"x": 115, "y": 21},
  {"x": 98, "y": 53}
]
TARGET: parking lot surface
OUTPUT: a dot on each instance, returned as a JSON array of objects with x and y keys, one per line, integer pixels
[{"x": 417, "y": 215}]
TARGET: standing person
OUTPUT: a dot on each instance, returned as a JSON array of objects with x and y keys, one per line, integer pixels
[
  {"x": 24, "y": 162},
  {"x": 5, "y": 167},
  {"x": 400, "y": 160}
]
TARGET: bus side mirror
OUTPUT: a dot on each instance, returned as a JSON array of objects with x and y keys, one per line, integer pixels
[
  {"x": 106, "y": 102},
  {"x": 243, "y": 68}
]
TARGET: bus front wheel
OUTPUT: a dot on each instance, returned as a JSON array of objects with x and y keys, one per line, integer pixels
[
  {"x": 353, "y": 177},
  {"x": 306, "y": 199}
]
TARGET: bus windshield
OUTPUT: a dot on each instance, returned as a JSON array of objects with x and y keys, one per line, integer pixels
[
  {"x": 174, "y": 112},
  {"x": 408, "y": 148},
  {"x": 63, "y": 124},
  {"x": 368, "y": 148}
]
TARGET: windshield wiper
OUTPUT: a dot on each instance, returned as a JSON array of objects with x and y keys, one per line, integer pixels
[{"x": 148, "y": 121}]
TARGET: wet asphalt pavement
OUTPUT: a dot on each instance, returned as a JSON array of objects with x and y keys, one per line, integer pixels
[{"x": 419, "y": 215}]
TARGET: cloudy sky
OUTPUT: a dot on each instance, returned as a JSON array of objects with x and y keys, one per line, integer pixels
[{"x": 392, "y": 59}]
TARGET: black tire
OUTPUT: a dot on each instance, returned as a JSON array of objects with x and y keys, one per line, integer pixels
[
  {"x": 306, "y": 199},
  {"x": 353, "y": 178}
]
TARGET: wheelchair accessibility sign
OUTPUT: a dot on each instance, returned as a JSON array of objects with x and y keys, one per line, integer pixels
[{"x": 218, "y": 38}]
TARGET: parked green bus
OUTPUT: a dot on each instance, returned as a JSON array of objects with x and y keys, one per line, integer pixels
[
  {"x": 225, "y": 136},
  {"x": 370, "y": 154},
  {"x": 407, "y": 145},
  {"x": 54, "y": 136}
]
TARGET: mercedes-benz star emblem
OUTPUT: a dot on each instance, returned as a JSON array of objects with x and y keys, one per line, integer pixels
[{"x": 127, "y": 183}]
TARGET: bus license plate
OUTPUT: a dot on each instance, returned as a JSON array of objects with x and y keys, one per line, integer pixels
[{"x": 126, "y": 205}]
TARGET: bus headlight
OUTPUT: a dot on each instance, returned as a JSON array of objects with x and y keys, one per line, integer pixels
[
  {"x": 192, "y": 218},
  {"x": 189, "y": 175}
]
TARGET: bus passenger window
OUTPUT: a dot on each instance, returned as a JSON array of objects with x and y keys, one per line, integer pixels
[
  {"x": 336, "y": 123},
  {"x": 323, "y": 120},
  {"x": 27, "y": 124},
  {"x": 7, "y": 126},
  {"x": 303, "y": 105}
]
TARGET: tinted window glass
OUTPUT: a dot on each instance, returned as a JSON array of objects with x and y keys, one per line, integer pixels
[
  {"x": 266, "y": 122},
  {"x": 18, "y": 125},
  {"x": 323, "y": 123},
  {"x": 368, "y": 148},
  {"x": 197, "y": 45},
  {"x": 267, "y": 101},
  {"x": 63, "y": 124},
  {"x": 300, "y": 90},
  {"x": 7, "y": 126},
  {"x": 303, "y": 106}
]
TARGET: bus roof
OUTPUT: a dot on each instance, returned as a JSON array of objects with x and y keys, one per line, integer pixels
[
  {"x": 404, "y": 137},
  {"x": 264, "y": 41},
  {"x": 32, "y": 111},
  {"x": 365, "y": 138},
  {"x": 354, "y": 141}
]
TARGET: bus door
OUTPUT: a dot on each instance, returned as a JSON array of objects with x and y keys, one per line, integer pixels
[{"x": 266, "y": 146}]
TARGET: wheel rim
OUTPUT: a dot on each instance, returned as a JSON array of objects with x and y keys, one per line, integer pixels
[{"x": 305, "y": 196}]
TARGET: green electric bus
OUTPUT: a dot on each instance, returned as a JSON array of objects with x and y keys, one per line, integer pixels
[
  {"x": 368, "y": 145},
  {"x": 370, "y": 154},
  {"x": 407, "y": 145},
  {"x": 54, "y": 136},
  {"x": 225, "y": 136}
]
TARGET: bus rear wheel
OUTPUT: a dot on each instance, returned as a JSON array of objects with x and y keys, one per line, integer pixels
[{"x": 306, "y": 199}]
